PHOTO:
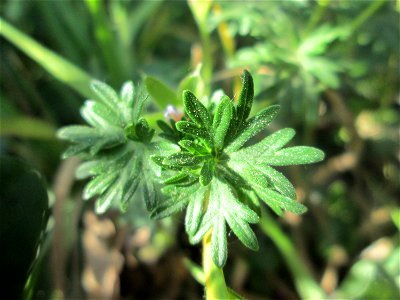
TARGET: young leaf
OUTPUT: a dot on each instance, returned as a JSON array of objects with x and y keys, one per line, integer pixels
[
  {"x": 194, "y": 211},
  {"x": 127, "y": 93},
  {"x": 219, "y": 249},
  {"x": 105, "y": 93},
  {"x": 124, "y": 172},
  {"x": 245, "y": 100},
  {"x": 222, "y": 118},
  {"x": 193, "y": 130},
  {"x": 161, "y": 93},
  {"x": 207, "y": 172},
  {"x": 194, "y": 148},
  {"x": 196, "y": 110},
  {"x": 182, "y": 159}
]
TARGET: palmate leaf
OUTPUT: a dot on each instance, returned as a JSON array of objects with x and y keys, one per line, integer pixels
[
  {"x": 116, "y": 148},
  {"x": 224, "y": 207},
  {"x": 220, "y": 180}
]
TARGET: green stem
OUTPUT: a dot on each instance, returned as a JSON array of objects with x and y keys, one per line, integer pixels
[
  {"x": 365, "y": 15},
  {"x": 207, "y": 67},
  {"x": 215, "y": 285},
  {"x": 316, "y": 16},
  {"x": 109, "y": 45},
  {"x": 306, "y": 286}
]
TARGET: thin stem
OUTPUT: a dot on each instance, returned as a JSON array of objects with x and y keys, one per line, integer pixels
[
  {"x": 365, "y": 15},
  {"x": 306, "y": 286},
  {"x": 316, "y": 16},
  {"x": 207, "y": 67},
  {"x": 215, "y": 286}
]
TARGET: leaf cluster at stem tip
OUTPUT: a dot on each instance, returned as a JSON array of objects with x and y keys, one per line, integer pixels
[
  {"x": 219, "y": 179},
  {"x": 204, "y": 162}
]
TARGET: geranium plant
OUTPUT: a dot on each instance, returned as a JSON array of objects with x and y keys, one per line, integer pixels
[{"x": 206, "y": 163}]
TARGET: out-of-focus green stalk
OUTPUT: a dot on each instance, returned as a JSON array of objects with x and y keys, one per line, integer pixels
[
  {"x": 110, "y": 47},
  {"x": 316, "y": 16},
  {"x": 306, "y": 286},
  {"x": 56, "y": 65},
  {"x": 366, "y": 14},
  {"x": 26, "y": 127},
  {"x": 200, "y": 10}
]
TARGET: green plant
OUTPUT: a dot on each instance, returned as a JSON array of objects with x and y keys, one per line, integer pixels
[{"x": 204, "y": 162}]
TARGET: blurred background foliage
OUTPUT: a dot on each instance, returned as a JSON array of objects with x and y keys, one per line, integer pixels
[{"x": 332, "y": 65}]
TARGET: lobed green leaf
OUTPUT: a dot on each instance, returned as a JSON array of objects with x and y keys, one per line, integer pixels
[
  {"x": 193, "y": 130},
  {"x": 194, "y": 210},
  {"x": 197, "y": 112},
  {"x": 193, "y": 147},
  {"x": 207, "y": 172},
  {"x": 127, "y": 93},
  {"x": 182, "y": 159},
  {"x": 253, "y": 126},
  {"x": 293, "y": 156},
  {"x": 245, "y": 100},
  {"x": 222, "y": 119},
  {"x": 105, "y": 93}
]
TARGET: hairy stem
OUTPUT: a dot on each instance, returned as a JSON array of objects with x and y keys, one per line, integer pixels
[{"x": 215, "y": 286}]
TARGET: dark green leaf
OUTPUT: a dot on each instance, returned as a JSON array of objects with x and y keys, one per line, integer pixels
[
  {"x": 143, "y": 131},
  {"x": 245, "y": 100},
  {"x": 194, "y": 148},
  {"x": 182, "y": 159},
  {"x": 207, "y": 172},
  {"x": 193, "y": 130},
  {"x": 179, "y": 178},
  {"x": 197, "y": 112},
  {"x": 178, "y": 198}
]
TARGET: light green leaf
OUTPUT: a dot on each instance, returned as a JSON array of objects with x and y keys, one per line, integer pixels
[
  {"x": 293, "y": 156},
  {"x": 127, "y": 93},
  {"x": 194, "y": 211},
  {"x": 273, "y": 199},
  {"x": 99, "y": 115},
  {"x": 279, "y": 182},
  {"x": 106, "y": 94},
  {"x": 253, "y": 126},
  {"x": 268, "y": 145},
  {"x": 219, "y": 248},
  {"x": 161, "y": 93}
]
